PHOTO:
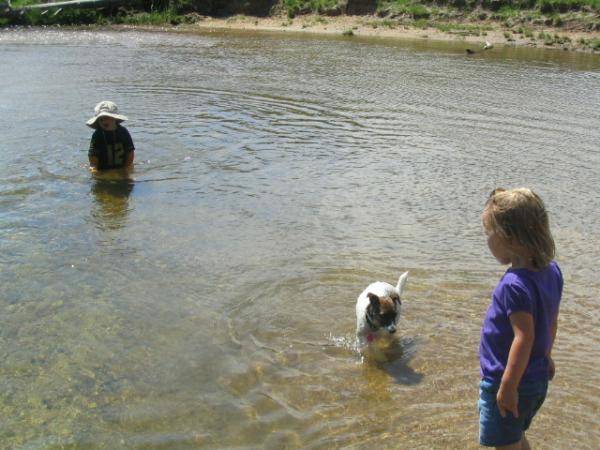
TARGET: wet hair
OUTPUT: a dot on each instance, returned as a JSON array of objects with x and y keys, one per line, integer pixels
[{"x": 520, "y": 215}]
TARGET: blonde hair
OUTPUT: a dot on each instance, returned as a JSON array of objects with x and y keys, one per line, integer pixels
[{"x": 520, "y": 215}]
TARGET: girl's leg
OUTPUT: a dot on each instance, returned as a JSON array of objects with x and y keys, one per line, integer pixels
[{"x": 521, "y": 445}]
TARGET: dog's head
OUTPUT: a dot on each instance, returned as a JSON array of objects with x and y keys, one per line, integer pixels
[
  {"x": 383, "y": 309},
  {"x": 382, "y": 312}
]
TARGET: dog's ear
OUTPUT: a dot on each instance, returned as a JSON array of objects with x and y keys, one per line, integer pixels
[{"x": 374, "y": 300}]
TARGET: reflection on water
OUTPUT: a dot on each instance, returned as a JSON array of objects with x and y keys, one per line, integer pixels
[
  {"x": 111, "y": 200},
  {"x": 210, "y": 302},
  {"x": 393, "y": 360}
]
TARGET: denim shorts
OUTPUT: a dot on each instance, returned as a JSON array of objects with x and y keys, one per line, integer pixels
[{"x": 495, "y": 430}]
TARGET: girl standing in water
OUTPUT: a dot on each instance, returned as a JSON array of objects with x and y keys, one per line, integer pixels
[{"x": 521, "y": 322}]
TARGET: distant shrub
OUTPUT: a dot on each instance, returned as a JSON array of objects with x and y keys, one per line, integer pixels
[
  {"x": 419, "y": 12},
  {"x": 562, "y": 6},
  {"x": 66, "y": 17},
  {"x": 295, "y": 7}
]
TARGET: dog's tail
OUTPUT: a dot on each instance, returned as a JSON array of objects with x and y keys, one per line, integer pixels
[{"x": 401, "y": 282}]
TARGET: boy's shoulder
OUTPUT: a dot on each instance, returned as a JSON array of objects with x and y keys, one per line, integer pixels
[{"x": 122, "y": 130}]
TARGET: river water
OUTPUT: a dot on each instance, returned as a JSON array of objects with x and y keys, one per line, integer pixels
[{"x": 208, "y": 301}]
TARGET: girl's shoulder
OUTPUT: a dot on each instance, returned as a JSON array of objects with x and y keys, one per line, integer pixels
[
  {"x": 513, "y": 276},
  {"x": 512, "y": 283},
  {"x": 557, "y": 274},
  {"x": 522, "y": 273},
  {"x": 529, "y": 280},
  {"x": 554, "y": 267}
]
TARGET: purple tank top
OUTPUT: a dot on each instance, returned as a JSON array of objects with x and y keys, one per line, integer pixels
[{"x": 537, "y": 293}]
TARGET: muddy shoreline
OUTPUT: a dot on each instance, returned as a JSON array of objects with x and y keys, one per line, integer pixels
[{"x": 474, "y": 35}]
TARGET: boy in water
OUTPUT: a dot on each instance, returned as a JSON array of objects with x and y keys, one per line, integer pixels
[{"x": 111, "y": 146}]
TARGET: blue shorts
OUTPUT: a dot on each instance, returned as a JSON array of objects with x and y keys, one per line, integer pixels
[{"x": 495, "y": 430}]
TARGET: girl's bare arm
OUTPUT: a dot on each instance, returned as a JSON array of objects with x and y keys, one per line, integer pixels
[{"x": 518, "y": 357}]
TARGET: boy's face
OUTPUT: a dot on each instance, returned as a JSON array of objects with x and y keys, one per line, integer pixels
[{"x": 107, "y": 123}]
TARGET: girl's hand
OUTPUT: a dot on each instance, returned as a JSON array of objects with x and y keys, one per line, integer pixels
[
  {"x": 551, "y": 368},
  {"x": 508, "y": 400}
]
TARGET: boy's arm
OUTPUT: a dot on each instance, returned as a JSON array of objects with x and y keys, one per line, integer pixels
[
  {"x": 130, "y": 148},
  {"x": 518, "y": 357},
  {"x": 93, "y": 161},
  {"x": 130, "y": 156},
  {"x": 92, "y": 154}
]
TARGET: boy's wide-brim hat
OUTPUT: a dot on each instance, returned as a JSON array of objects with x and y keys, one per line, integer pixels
[{"x": 105, "y": 109}]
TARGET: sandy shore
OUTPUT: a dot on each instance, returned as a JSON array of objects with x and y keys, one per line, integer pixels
[{"x": 491, "y": 32}]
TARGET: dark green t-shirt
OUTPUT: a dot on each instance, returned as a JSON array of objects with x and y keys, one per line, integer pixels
[{"x": 111, "y": 147}]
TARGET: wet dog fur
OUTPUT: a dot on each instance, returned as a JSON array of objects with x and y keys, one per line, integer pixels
[{"x": 378, "y": 311}]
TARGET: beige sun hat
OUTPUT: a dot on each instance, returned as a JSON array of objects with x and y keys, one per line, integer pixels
[{"x": 105, "y": 108}]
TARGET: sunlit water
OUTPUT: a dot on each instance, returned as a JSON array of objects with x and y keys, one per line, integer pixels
[{"x": 208, "y": 302}]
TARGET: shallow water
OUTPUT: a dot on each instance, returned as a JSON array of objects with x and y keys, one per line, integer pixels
[{"x": 208, "y": 302}]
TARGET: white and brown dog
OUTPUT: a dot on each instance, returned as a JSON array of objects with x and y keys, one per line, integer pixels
[{"x": 378, "y": 311}]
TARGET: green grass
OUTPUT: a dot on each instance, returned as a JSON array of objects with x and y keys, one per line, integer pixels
[
  {"x": 508, "y": 11},
  {"x": 66, "y": 17},
  {"x": 152, "y": 18},
  {"x": 463, "y": 29},
  {"x": 593, "y": 44},
  {"x": 550, "y": 6},
  {"x": 413, "y": 8},
  {"x": 504, "y": 8},
  {"x": 421, "y": 23},
  {"x": 87, "y": 16},
  {"x": 553, "y": 39},
  {"x": 387, "y": 23},
  {"x": 419, "y": 13},
  {"x": 19, "y": 3},
  {"x": 295, "y": 7}
]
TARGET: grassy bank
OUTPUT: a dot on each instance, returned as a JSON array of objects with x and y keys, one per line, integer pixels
[
  {"x": 137, "y": 13},
  {"x": 569, "y": 24}
]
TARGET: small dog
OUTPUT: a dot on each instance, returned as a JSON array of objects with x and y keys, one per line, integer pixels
[{"x": 377, "y": 311}]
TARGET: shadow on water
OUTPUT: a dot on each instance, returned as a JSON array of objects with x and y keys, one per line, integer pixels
[
  {"x": 111, "y": 199},
  {"x": 393, "y": 360}
]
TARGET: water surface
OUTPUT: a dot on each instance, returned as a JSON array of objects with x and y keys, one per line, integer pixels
[{"x": 208, "y": 301}]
